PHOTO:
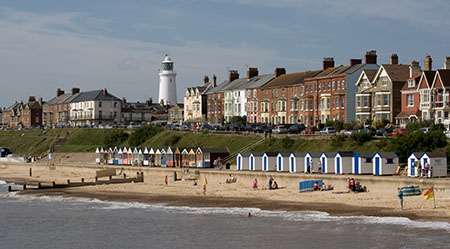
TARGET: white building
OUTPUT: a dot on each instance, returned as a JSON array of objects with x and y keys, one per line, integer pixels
[
  {"x": 94, "y": 107},
  {"x": 167, "y": 83}
]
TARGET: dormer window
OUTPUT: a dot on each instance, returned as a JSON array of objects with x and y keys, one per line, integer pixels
[
  {"x": 365, "y": 83},
  {"x": 384, "y": 81},
  {"x": 411, "y": 83}
]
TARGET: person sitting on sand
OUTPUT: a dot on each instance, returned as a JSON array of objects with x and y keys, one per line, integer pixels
[
  {"x": 316, "y": 186},
  {"x": 275, "y": 185},
  {"x": 324, "y": 186}
]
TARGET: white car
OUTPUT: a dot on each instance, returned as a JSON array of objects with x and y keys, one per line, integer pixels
[
  {"x": 280, "y": 129},
  {"x": 328, "y": 131}
]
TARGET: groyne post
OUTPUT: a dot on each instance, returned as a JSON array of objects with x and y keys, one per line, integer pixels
[
  {"x": 31, "y": 172},
  {"x": 124, "y": 176},
  {"x": 96, "y": 179},
  {"x": 24, "y": 187},
  {"x": 142, "y": 176},
  {"x": 82, "y": 180},
  {"x": 68, "y": 181},
  {"x": 39, "y": 185},
  {"x": 9, "y": 189},
  {"x": 53, "y": 183}
]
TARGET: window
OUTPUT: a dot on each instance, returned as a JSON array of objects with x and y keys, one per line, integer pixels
[
  {"x": 301, "y": 105},
  {"x": 295, "y": 91},
  {"x": 365, "y": 83},
  {"x": 378, "y": 100},
  {"x": 320, "y": 87},
  {"x": 410, "y": 100},
  {"x": 338, "y": 85},
  {"x": 282, "y": 92},
  {"x": 368, "y": 160},
  {"x": 333, "y": 86},
  {"x": 342, "y": 103},
  {"x": 385, "y": 99},
  {"x": 329, "y": 86},
  {"x": 254, "y": 93},
  {"x": 411, "y": 83},
  {"x": 358, "y": 101},
  {"x": 365, "y": 101},
  {"x": 342, "y": 117},
  {"x": 100, "y": 104},
  {"x": 100, "y": 114},
  {"x": 343, "y": 85},
  {"x": 302, "y": 89},
  {"x": 384, "y": 81},
  {"x": 248, "y": 93},
  {"x": 310, "y": 104},
  {"x": 328, "y": 104},
  {"x": 390, "y": 160}
]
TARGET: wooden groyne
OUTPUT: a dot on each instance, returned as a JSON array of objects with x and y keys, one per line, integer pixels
[{"x": 79, "y": 183}]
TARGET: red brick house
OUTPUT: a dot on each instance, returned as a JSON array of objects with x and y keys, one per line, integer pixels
[
  {"x": 56, "y": 111},
  {"x": 23, "y": 115}
]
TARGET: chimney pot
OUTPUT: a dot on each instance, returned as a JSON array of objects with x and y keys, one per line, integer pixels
[
  {"x": 371, "y": 57},
  {"x": 149, "y": 101},
  {"x": 124, "y": 100},
  {"x": 75, "y": 90},
  {"x": 252, "y": 72},
  {"x": 328, "y": 62},
  {"x": 279, "y": 71},
  {"x": 447, "y": 62},
  {"x": 394, "y": 59},
  {"x": 414, "y": 68},
  {"x": 40, "y": 101},
  {"x": 59, "y": 92},
  {"x": 205, "y": 80},
  {"x": 31, "y": 99},
  {"x": 214, "y": 81},
  {"x": 105, "y": 91},
  {"x": 355, "y": 62}
]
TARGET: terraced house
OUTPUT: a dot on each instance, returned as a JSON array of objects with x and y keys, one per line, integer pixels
[
  {"x": 21, "y": 115},
  {"x": 215, "y": 99},
  {"x": 195, "y": 102},
  {"x": 56, "y": 111}
]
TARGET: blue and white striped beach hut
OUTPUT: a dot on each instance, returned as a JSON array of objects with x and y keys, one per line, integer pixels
[
  {"x": 362, "y": 163},
  {"x": 327, "y": 162},
  {"x": 255, "y": 161},
  {"x": 297, "y": 162},
  {"x": 269, "y": 161},
  {"x": 343, "y": 162},
  {"x": 242, "y": 161},
  {"x": 311, "y": 160},
  {"x": 283, "y": 161}
]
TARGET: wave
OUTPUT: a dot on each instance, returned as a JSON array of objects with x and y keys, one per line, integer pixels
[
  {"x": 2, "y": 182},
  {"x": 295, "y": 216}
]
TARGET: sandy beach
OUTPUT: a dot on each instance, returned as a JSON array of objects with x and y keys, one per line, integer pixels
[{"x": 380, "y": 200}]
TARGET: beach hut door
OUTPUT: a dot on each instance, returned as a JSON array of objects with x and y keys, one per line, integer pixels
[
  {"x": 323, "y": 165},
  {"x": 252, "y": 163},
  {"x": 377, "y": 165},
  {"x": 338, "y": 165},
  {"x": 265, "y": 164},
  {"x": 413, "y": 173},
  {"x": 279, "y": 163},
  {"x": 356, "y": 165},
  {"x": 292, "y": 164},
  {"x": 239, "y": 163}
]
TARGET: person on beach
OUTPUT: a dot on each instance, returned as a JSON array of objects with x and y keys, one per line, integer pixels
[
  {"x": 270, "y": 182},
  {"x": 204, "y": 189},
  {"x": 316, "y": 186},
  {"x": 165, "y": 180},
  {"x": 275, "y": 185},
  {"x": 249, "y": 215},
  {"x": 353, "y": 185},
  {"x": 319, "y": 167},
  {"x": 427, "y": 168},
  {"x": 195, "y": 183},
  {"x": 255, "y": 183},
  {"x": 349, "y": 184},
  {"x": 400, "y": 197},
  {"x": 419, "y": 171}
]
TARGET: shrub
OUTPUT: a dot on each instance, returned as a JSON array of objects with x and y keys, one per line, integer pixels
[
  {"x": 361, "y": 137},
  {"x": 116, "y": 138},
  {"x": 337, "y": 141},
  {"x": 143, "y": 134},
  {"x": 337, "y": 125}
]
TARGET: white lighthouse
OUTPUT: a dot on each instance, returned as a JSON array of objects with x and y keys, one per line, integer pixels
[{"x": 167, "y": 83}]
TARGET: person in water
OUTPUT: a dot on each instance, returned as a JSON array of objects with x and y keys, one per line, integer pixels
[{"x": 249, "y": 215}]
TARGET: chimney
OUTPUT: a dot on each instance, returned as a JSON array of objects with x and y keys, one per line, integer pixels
[
  {"x": 447, "y": 62},
  {"x": 15, "y": 101},
  {"x": 75, "y": 90},
  {"x": 252, "y": 72},
  {"x": 279, "y": 71},
  {"x": 161, "y": 103},
  {"x": 149, "y": 101},
  {"x": 414, "y": 68},
  {"x": 205, "y": 80},
  {"x": 371, "y": 57},
  {"x": 40, "y": 101},
  {"x": 428, "y": 63},
  {"x": 59, "y": 92},
  {"x": 124, "y": 100},
  {"x": 31, "y": 99},
  {"x": 328, "y": 62},
  {"x": 233, "y": 75},
  {"x": 105, "y": 91},
  {"x": 355, "y": 62},
  {"x": 394, "y": 59},
  {"x": 214, "y": 81}
]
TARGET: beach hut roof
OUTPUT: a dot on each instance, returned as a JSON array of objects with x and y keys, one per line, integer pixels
[
  {"x": 135, "y": 151},
  {"x": 329, "y": 154},
  {"x": 387, "y": 154},
  {"x": 435, "y": 154},
  {"x": 169, "y": 150},
  {"x": 151, "y": 151},
  {"x": 315, "y": 154},
  {"x": 284, "y": 154},
  {"x": 365, "y": 154},
  {"x": 345, "y": 153},
  {"x": 102, "y": 150},
  {"x": 417, "y": 154},
  {"x": 158, "y": 151},
  {"x": 120, "y": 151},
  {"x": 257, "y": 153},
  {"x": 97, "y": 150},
  {"x": 145, "y": 150},
  {"x": 216, "y": 150},
  {"x": 299, "y": 154},
  {"x": 185, "y": 151},
  {"x": 115, "y": 149},
  {"x": 271, "y": 153},
  {"x": 140, "y": 151},
  {"x": 245, "y": 154}
]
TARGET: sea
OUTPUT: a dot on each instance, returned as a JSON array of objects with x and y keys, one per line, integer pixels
[{"x": 31, "y": 221}]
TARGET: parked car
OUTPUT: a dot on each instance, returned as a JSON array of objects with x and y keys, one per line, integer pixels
[
  {"x": 296, "y": 129},
  {"x": 328, "y": 131},
  {"x": 262, "y": 129},
  {"x": 349, "y": 132},
  {"x": 425, "y": 129},
  {"x": 196, "y": 127},
  {"x": 237, "y": 127},
  {"x": 205, "y": 127},
  {"x": 175, "y": 127},
  {"x": 399, "y": 131},
  {"x": 280, "y": 129},
  {"x": 310, "y": 130},
  {"x": 383, "y": 132},
  {"x": 250, "y": 127},
  {"x": 185, "y": 127},
  {"x": 370, "y": 130}
]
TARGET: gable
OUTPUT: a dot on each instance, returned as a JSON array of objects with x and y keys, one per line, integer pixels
[
  {"x": 423, "y": 84},
  {"x": 437, "y": 82}
]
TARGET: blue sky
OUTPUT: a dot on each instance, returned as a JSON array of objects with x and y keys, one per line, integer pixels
[{"x": 119, "y": 45}]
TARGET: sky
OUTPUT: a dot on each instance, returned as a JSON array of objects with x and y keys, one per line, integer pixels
[{"x": 119, "y": 45}]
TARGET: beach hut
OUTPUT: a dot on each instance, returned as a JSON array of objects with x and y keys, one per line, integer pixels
[
  {"x": 135, "y": 159},
  {"x": 146, "y": 157},
  {"x": 283, "y": 161},
  {"x": 120, "y": 158},
  {"x": 130, "y": 156},
  {"x": 327, "y": 162},
  {"x": 212, "y": 154},
  {"x": 151, "y": 157},
  {"x": 192, "y": 162},
  {"x": 255, "y": 161},
  {"x": 140, "y": 160},
  {"x": 343, "y": 162},
  {"x": 124, "y": 156},
  {"x": 170, "y": 157},
  {"x": 98, "y": 156},
  {"x": 116, "y": 156},
  {"x": 413, "y": 163},
  {"x": 185, "y": 158},
  {"x": 311, "y": 160},
  {"x": 158, "y": 158},
  {"x": 437, "y": 164},
  {"x": 385, "y": 163},
  {"x": 242, "y": 162},
  {"x": 177, "y": 157},
  {"x": 163, "y": 158},
  {"x": 199, "y": 157},
  {"x": 297, "y": 162},
  {"x": 107, "y": 155},
  {"x": 269, "y": 161},
  {"x": 362, "y": 163}
]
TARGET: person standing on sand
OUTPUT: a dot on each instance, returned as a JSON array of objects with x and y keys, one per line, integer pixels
[
  {"x": 270, "y": 182},
  {"x": 400, "y": 197},
  {"x": 204, "y": 189},
  {"x": 165, "y": 180},
  {"x": 255, "y": 183}
]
